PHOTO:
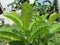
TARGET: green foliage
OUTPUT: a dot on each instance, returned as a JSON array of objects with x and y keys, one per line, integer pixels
[
  {"x": 41, "y": 18},
  {"x": 54, "y": 16},
  {"x": 54, "y": 28},
  {"x": 55, "y": 40},
  {"x": 26, "y": 15},
  {"x": 39, "y": 30},
  {"x": 14, "y": 17},
  {"x": 27, "y": 31}
]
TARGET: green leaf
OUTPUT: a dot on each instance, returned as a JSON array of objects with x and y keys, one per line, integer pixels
[
  {"x": 41, "y": 29},
  {"x": 54, "y": 28},
  {"x": 4, "y": 38},
  {"x": 19, "y": 33},
  {"x": 44, "y": 17},
  {"x": 12, "y": 32},
  {"x": 26, "y": 15},
  {"x": 40, "y": 18},
  {"x": 54, "y": 16},
  {"x": 14, "y": 17},
  {"x": 10, "y": 35},
  {"x": 14, "y": 14},
  {"x": 6, "y": 28},
  {"x": 34, "y": 23}
]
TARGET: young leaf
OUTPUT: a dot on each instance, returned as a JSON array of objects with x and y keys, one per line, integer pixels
[{"x": 26, "y": 14}]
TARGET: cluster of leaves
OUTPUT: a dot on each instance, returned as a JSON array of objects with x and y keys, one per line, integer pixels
[
  {"x": 48, "y": 7},
  {"x": 37, "y": 6},
  {"x": 55, "y": 40},
  {"x": 30, "y": 29}
]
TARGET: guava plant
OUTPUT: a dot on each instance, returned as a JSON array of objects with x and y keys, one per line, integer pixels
[{"x": 30, "y": 29}]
